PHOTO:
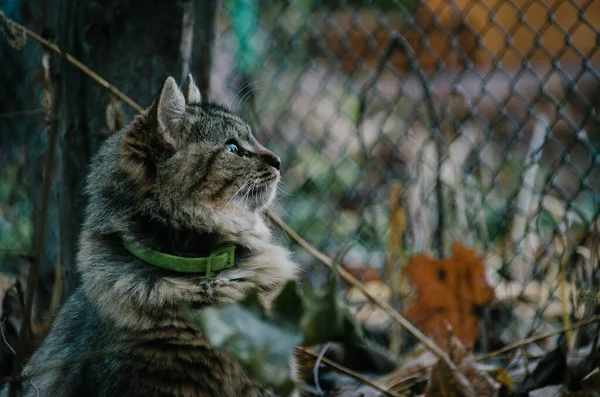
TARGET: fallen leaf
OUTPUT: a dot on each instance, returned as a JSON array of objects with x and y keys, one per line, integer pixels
[
  {"x": 548, "y": 391},
  {"x": 414, "y": 371},
  {"x": 590, "y": 385},
  {"x": 468, "y": 381},
  {"x": 504, "y": 378},
  {"x": 448, "y": 291},
  {"x": 549, "y": 371}
]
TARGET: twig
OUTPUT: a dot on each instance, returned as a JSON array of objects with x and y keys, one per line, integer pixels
[
  {"x": 485, "y": 356},
  {"x": 362, "y": 96},
  {"x": 4, "y": 337},
  {"x": 360, "y": 286},
  {"x": 14, "y": 252},
  {"x": 409, "y": 379},
  {"x": 316, "y": 368},
  {"x": 53, "y": 47},
  {"x": 377, "y": 386},
  {"x": 397, "y": 41},
  {"x": 22, "y": 113},
  {"x": 394, "y": 264},
  {"x": 40, "y": 221},
  {"x": 435, "y": 126},
  {"x": 562, "y": 287},
  {"x": 537, "y": 338},
  {"x": 526, "y": 202},
  {"x": 593, "y": 260}
]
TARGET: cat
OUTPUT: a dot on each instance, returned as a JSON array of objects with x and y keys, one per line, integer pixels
[{"x": 184, "y": 178}]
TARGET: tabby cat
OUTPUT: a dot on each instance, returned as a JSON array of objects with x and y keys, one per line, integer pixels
[{"x": 184, "y": 178}]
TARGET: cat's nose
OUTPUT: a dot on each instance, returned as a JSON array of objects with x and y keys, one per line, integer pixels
[{"x": 273, "y": 160}]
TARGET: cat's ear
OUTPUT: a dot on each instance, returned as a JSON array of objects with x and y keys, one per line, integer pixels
[
  {"x": 191, "y": 91},
  {"x": 170, "y": 110}
]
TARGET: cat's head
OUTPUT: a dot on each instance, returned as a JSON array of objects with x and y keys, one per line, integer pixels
[{"x": 185, "y": 153}]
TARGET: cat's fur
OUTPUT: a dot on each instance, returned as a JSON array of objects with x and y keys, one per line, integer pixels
[{"x": 167, "y": 181}]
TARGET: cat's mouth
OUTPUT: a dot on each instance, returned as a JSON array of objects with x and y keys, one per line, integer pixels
[
  {"x": 267, "y": 178},
  {"x": 264, "y": 188},
  {"x": 266, "y": 182},
  {"x": 258, "y": 192}
]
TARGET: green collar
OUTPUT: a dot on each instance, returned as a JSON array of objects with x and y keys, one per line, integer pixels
[{"x": 220, "y": 259}]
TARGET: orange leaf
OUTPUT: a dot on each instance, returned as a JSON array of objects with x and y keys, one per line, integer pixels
[{"x": 448, "y": 292}]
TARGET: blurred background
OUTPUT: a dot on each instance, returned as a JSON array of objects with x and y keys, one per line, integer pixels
[{"x": 403, "y": 126}]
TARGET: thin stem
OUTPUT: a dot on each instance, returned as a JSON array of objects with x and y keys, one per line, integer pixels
[
  {"x": 537, "y": 338},
  {"x": 16, "y": 252},
  {"x": 360, "y": 286},
  {"x": 437, "y": 133},
  {"x": 317, "y": 366},
  {"x": 41, "y": 217},
  {"x": 377, "y": 386},
  {"x": 53, "y": 47},
  {"x": 22, "y": 113}
]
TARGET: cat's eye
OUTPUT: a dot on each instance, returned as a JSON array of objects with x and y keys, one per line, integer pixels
[{"x": 232, "y": 147}]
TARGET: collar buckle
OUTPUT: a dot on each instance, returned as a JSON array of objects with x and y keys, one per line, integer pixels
[{"x": 225, "y": 253}]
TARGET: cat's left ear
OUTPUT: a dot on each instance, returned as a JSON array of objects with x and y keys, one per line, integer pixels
[
  {"x": 170, "y": 111},
  {"x": 190, "y": 91}
]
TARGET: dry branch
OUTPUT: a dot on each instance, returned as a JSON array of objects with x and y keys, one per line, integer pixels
[
  {"x": 22, "y": 113},
  {"x": 53, "y": 47},
  {"x": 360, "y": 286},
  {"x": 537, "y": 338},
  {"x": 352, "y": 374}
]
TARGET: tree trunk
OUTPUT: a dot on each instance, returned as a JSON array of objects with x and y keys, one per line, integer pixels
[{"x": 135, "y": 45}]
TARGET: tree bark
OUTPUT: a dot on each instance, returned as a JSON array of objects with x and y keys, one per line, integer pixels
[{"x": 134, "y": 44}]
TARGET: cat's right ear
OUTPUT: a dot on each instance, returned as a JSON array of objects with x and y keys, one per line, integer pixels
[
  {"x": 170, "y": 111},
  {"x": 191, "y": 91}
]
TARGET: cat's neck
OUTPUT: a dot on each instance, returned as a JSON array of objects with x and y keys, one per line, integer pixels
[{"x": 172, "y": 239}]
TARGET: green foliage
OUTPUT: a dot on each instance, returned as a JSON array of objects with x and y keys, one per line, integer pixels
[
  {"x": 16, "y": 228},
  {"x": 328, "y": 319},
  {"x": 264, "y": 342}
]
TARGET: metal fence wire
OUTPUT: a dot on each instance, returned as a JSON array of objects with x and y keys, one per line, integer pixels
[
  {"x": 475, "y": 119},
  {"x": 403, "y": 126}
]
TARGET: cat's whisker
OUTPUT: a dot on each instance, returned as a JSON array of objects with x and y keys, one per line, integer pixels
[
  {"x": 244, "y": 86},
  {"x": 237, "y": 192},
  {"x": 246, "y": 197},
  {"x": 279, "y": 188},
  {"x": 277, "y": 203},
  {"x": 247, "y": 95}
]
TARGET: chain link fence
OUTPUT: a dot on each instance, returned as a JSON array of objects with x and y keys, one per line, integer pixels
[
  {"x": 475, "y": 120},
  {"x": 403, "y": 126}
]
